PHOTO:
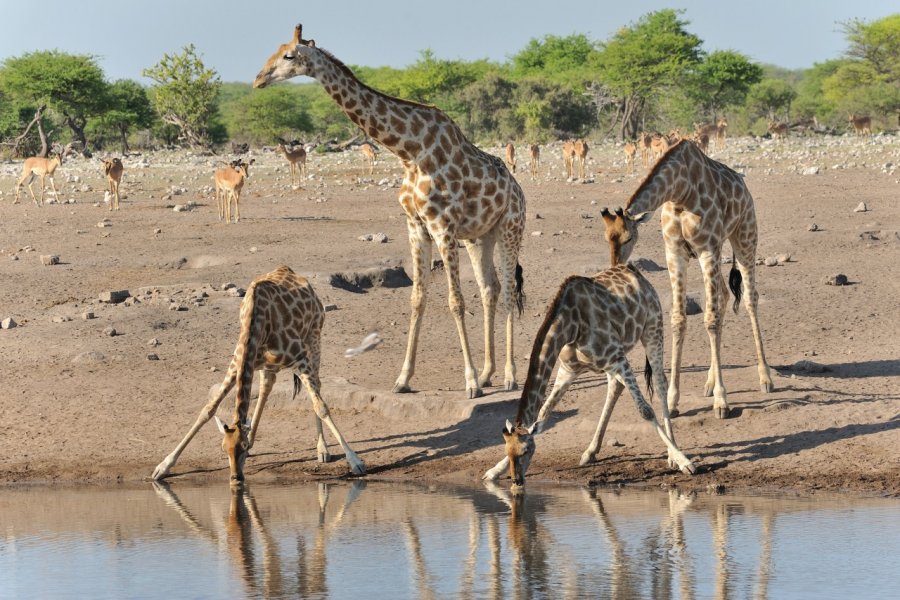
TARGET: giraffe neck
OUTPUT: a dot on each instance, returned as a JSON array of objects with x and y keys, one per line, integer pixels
[
  {"x": 557, "y": 330},
  {"x": 401, "y": 126},
  {"x": 661, "y": 185}
]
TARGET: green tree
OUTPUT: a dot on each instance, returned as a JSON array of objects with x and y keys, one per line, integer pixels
[
  {"x": 641, "y": 62},
  {"x": 129, "y": 107},
  {"x": 563, "y": 60},
  {"x": 770, "y": 97},
  {"x": 185, "y": 95},
  {"x": 811, "y": 98},
  {"x": 73, "y": 86},
  {"x": 269, "y": 113},
  {"x": 721, "y": 80}
]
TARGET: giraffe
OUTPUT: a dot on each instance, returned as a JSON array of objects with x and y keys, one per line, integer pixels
[
  {"x": 510, "y": 158},
  {"x": 568, "y": 152},
  {"x": 581, "y": 152},
  {"x": 721, "y": 130},
  {"x": 704, "y": 203},
  {"x": 590, "y": 325},
  {"x": 296, "y": 158},
  {"x": 368, "y": 150},
  {"x": 535, "y": 152},
  {"x": 451, "y": 191},
  {"x": 113, "y": 168},
  {"x": 281, "y": 327},
  {"x": 630, "y": 150},
  {"x": 39, "y": 167}
]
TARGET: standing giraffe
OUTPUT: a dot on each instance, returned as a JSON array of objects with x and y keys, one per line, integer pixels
[
  {"x": 368, "y": 150},
  {"x": 113, "y": 168},
  {"x": 581, "y": 152},
  {"x": 704, "y": 203},
  {"x": 591, "y": 325},
  {"x": 568, "y": 153},
  {"x": 535, "y": 152},
  {"x": 295, "y": 156},
  {"x": 451, "y": 191},
  {"x": 281, "y": 328}
]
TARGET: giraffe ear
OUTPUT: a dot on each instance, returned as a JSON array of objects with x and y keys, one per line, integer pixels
[
  {"x": 532, "y": 428},
  {"x": 509, "y": 426},
  {"x": 607, "y": 216},
  {"x": 220, "y": 424},
  {"x": 642, "y": 217},
  {"x": 311, "y": 43}
]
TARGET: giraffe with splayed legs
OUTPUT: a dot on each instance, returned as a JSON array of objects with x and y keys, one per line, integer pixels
[
  {"x": 591, "y": 325},
  {"x": 704, "y": 203},
  {"x": 451, "y": 191},
  {"x": 281, "y": 328}
]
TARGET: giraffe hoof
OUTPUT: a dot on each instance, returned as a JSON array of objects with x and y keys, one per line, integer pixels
[
  {"x": 586, "y": 459},
  {"x": 511, "y": 385},
  {"x": 473, "y": 393},
  {"x": 401, "y": 388},
  {"x": 324, "y": 457},
  {"x": 673, "y": 412},
  {"x": 767, "y": 387},
  {"x": 485, "y": 382},
  {"x": 722, "y": 412}
]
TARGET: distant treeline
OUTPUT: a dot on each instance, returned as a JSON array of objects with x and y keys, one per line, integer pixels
[{"x": 651, "y": 75}]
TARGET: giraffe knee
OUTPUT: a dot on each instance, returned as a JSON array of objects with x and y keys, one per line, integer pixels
[{"x": 645, "y": 410}]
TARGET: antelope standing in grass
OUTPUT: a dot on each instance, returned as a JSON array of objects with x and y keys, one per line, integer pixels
[{"x": 113, "y": 168}]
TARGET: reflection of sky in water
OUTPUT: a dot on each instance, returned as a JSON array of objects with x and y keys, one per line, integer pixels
[{"x": 397, "y": 541}]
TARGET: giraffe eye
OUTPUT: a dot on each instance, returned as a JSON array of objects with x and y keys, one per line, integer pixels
[{"x": 288, "y": 57}]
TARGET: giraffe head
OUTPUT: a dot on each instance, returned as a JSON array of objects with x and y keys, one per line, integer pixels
[
  {"x": 519, "y": 450},
  {"x": 622, "y": 233},
  {"x": 236, "y": 445},
  {"x": 290, "y": 60}
]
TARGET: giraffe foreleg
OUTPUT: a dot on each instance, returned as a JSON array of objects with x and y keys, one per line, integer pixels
[
  {"x": 677, "y": 264},
  {"x": 450, "y": 255},
  {"x": 564, "y": 378},
  {"x": 163, "y": 468},
  {"x": 311, "y": 383},
  {"x": 420, "y": 247},
  {"x": 266, "y": 382},
  {"x": 613, "y": 391}
]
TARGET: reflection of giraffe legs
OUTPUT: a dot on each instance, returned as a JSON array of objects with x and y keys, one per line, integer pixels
[
  {"x": 720, "y": 537},
  {"x": 765, "y": 559},
  {"x": 678, "y": 504},
  {"x": 621, "y": 585},
  {"x": 423, "y": 580}
]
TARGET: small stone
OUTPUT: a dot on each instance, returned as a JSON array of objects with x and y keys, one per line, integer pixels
[
  {"x": 104, "y": 223},
  {"x": 839, "y": 279},
  {"x": 536, "y": 233},
  {"x": 153, "y": 343},
  {"x": 60, "y": 319},
  {"x": 213, "y": 369},
  {"x": 861, "y": 207},
  {"x": 110, "y": 331},
  {"x": 8, "y": 323},
  {"x": 157, "y": 230},
  {"x": 152, "y": 356},
  {"x": 49, "y": 259},
  {"x": 236, "y": 292},
  {"x": 253, "y": 249},
  {"x": 783, "y": 258},
  {"x": 812, "y": 227},
  {"x": 771, "y": 261},
  {"x": 86, "y": 316},
  {"x": 614, "y": 443},
  {"x": 691, "y": 306},
  {"x": 330, "y": 307},
  {"x": 380, "y": 238},
  {"x": 114, "y": 297}
]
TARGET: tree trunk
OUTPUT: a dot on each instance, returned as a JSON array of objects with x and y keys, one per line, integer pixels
[
  {"x": 17, "y": 143},
  {"x": 77, "y": 126},
  {"x": 123, "y": 131}
]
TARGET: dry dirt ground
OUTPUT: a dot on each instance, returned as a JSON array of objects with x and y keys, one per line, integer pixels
[{"x": 79, "y": 405}]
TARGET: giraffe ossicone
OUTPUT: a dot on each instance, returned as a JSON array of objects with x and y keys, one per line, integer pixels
[{"x": 451, "y": 191}]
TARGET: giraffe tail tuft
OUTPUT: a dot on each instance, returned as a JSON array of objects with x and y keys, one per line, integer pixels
[
  {"x": 734, "y": 283},
  {"x": 648, "y": 375},
  {"x": 296, "y": 386},
  {"x": 520, "y": 291}
]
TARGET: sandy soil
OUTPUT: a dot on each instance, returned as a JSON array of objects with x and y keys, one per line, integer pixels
[{"x": 80, "y": 405}]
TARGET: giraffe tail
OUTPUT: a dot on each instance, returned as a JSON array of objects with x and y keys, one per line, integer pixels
[
  {"x": 248, "y": 343},
  {"x": 520, "y": 291},
  {"x": 734, "y": 283},
  {"x": 648, "y": 375}
]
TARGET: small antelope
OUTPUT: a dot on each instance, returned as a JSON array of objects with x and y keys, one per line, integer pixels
[
  {"x": 721, "y": 130},
  {"x": 581, "y": 152},
  {"x": 41, "y": 167},
  {"x": 113, "y": 168},
  {"x": 229, "y": 183},
  {"x": 295, "y": 156},
  {"x": 535, "y": 152},
  {"x": 368, "y": 150},
  {"x": 778, "y": 130},
  {"x": 630, "y": 151},
  {"x": 569, "y": 157},
  {"x": 511, "y": 157},
  {"x": 702, "y": 140},
  {"x": 644, "y": 141},
  {"x": 861, "y": 125},
  {"x": 658, "y": 146}
]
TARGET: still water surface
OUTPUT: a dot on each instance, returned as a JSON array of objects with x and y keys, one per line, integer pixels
[{"x": 382, "y": 540}]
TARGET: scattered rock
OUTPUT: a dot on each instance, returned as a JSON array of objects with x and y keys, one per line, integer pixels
[
  {"x": 771, "y": 261},
  {"x": 110, "y": 331},
  {"x": 536, "y": 233},
  {"x": 152, "y": 356},
  {"x": 812, "y": 227},
  {"x": 784, "y": 258},
  {"x": 614, "y": 443},
  {"x": 104, "y": 223},
  {"x": 114, "y": 297},
  {"x": 810, "y": 171},
  {"x": 691, "y": 306},
  {"x": 49, "y": 259},
  {"x": 226, "y": 286},
  {"x": 647, "y": 265},
  {"x": 8, "y": 323},
  {"x": 60, "y": 319},
  {"x": 153, "y": 343},
  {"x": 839, "y": 279},
  {"x": 808, "y": 366},
  {"x": 86, "y": 316},
  {"x": 387, "y": 277},
  {"x": 236, "y": 292},
  {"x": 330, "y": 307},
  {"x": 861, "y": 207}
]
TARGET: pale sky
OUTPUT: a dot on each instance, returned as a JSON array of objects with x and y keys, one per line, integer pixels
[{"x": 235, "y": 38}]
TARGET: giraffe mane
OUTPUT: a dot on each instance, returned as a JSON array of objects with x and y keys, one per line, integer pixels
[{"x": 656, "y": 168}]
